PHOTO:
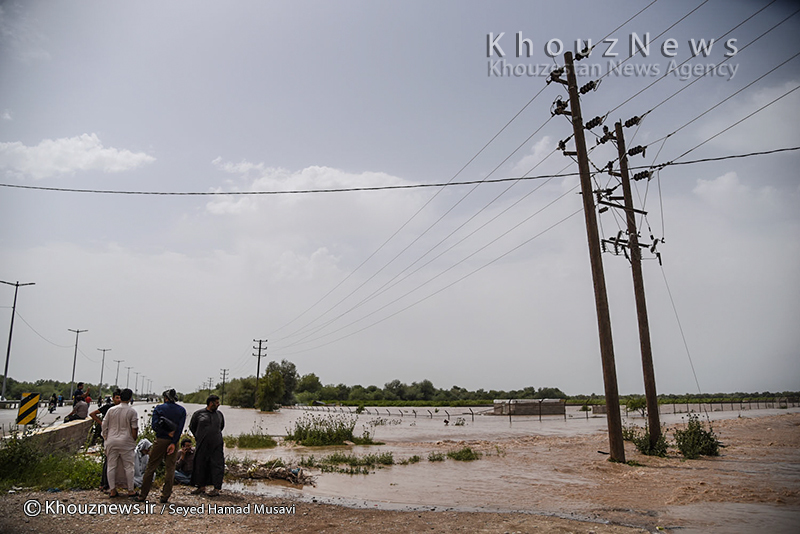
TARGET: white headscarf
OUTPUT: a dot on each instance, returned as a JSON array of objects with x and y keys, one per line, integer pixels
[{"x": 142, "y": 445}]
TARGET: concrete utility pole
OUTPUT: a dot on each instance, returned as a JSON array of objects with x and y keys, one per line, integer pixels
[
  {"x": 224, "y": 375},
  {"x": 613, "y": 417},
  {"x": 116, "y": 380},
  {"x": 653, "y": 419},
  {"x": 128, "y": 380},
  {"x": 258, "y": 366},
  {"x": 136, "y": 383},
  {"x": 102, "y": 368},
  {"x": 11, "y": 331},
  {"x": 74, "y": 360}
]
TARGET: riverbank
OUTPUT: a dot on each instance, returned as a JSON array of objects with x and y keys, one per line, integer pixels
[{"x": 753, "y": 486}]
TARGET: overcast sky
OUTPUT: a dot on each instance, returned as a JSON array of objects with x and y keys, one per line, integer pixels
[{"x": 483, "y": 286}]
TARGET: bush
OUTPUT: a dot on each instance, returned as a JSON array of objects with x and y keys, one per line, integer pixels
[
  {"x": 643, "y": 445},
  {"x": 695, "y": 440},
  {"x": 17, "y": 457},
  {"x": 315, "y": 431},
  {"x": 22, "y": 464},
  {"x": 436, "y": 457},
  {"x": 251, "y": 440},
  {"x": 464, "y": 455}
]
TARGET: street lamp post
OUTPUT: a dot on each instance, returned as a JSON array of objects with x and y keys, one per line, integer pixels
[
  {"x": 74, "y": 360},
  {"x": 11, "y": 331},
  {"x": 102, "y": 368}
]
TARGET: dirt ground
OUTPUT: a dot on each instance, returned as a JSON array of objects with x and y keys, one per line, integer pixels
[{"x": 753, "y": 486}]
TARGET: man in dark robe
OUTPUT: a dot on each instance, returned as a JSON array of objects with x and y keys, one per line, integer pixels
[{"x": 209, "y": 460}]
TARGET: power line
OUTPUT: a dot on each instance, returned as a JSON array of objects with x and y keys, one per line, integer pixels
[
  {"x": 715, "y": 67},
  {"x": 394, "y": 281},
  {"x": 445, "y": 287},
  {"x": 731, "y": 126},
  {"x": 379, "y": 188},
  {"x": 655, "y": 38},
  {"x": 690, "y": 58},
  {"x": 454, "y": 266}
]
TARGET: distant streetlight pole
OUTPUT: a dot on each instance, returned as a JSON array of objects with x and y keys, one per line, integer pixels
[
  {"x": 128, "y": 381},
  {"x": 116, "y": 380},
  {"x": 13, "y": 312},
  {"x": 136, "y": 383},
  {"x": 102, "y": 368},
  {"x": 74, "y": 359}
]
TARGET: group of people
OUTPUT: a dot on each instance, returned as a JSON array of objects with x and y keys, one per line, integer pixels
[{"x": 201, "y": 466}]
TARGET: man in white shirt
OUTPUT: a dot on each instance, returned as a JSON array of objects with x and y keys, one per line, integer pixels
[{"x": 120, "y": 430}]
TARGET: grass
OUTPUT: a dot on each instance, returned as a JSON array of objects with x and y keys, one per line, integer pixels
[
  {"x": 22, "y": 465},
  {"x": 320, "y": 431},
  {"x": 356, "y": 465},
  {"x": 251, "y": 440},
  {"x": 464, "y": 454},
  {"x": 316, "y": 431}
]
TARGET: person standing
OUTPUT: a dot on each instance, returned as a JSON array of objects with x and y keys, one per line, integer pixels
[
  {"x": 96, "y": 416},
  {"x": 168, "y": 421},
  {"x": 209, "y": 459},
  {"x": 120, "y": 430}
]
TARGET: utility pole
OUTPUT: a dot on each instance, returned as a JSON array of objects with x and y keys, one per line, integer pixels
[
  {"x": 11, "y": 331},
  {"x": 638, "y": 290},
  {"x": 116, "y": 380},
  {"x": 224, "y": 374},
  {"x": 74, "y": 359},
  {"x": 210, "y": 384},
  {"x": 128, "y": 380},
  {"x": 613, "y": 417},
  {"x": 102, "y": 369},
  {"x": 136, "y": 383},
  {"x": 258, "y": 366}
]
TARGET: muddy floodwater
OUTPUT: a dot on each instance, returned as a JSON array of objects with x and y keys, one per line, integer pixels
[{"x": 553, "y": 466}]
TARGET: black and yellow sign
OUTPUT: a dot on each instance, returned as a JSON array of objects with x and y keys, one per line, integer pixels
[{"x": 28, "y": 408}]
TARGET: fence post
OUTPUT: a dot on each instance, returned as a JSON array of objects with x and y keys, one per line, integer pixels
[{"x": 473, "y": 413}]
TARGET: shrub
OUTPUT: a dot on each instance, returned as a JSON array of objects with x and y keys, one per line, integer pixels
[
  {"x": 695, "y": 440},
  {"x": 17, "y": 457},
  {"x": 643, "y": 445},
  {"x": 315, "y": 431},
  {"x": 22, "y": 463},
  {"x": 436, "y": 457},
  {"x": 464, "y": 454}
]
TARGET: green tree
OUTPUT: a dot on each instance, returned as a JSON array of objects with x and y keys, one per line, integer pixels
[
  {"x": 242, "y": 392},
  {"x": 310, "y": 383},
  {"x": 271, "y": 390}
]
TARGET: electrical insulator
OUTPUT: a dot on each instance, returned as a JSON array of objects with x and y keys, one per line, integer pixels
[
  {"x": 583, "y": 54},
  {"x": 636, "y": 150},
  {"x": 562, "y": 145},
  {"x": 559, "y": 107},
  {"x": 632, "y": 122},
  {"x": 642, "y": 175},
  {"x": 588, "y": 87},
  {"x": 593, "y": 123}
]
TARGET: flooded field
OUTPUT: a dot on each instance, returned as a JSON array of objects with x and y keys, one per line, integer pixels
[{"x": 550, "y": 466}]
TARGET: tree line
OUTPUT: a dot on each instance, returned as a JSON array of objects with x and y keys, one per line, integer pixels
[{"x": 282, "y": 385}]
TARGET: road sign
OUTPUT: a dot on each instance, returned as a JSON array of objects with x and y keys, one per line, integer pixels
[{"x": 28, "y": 408}]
